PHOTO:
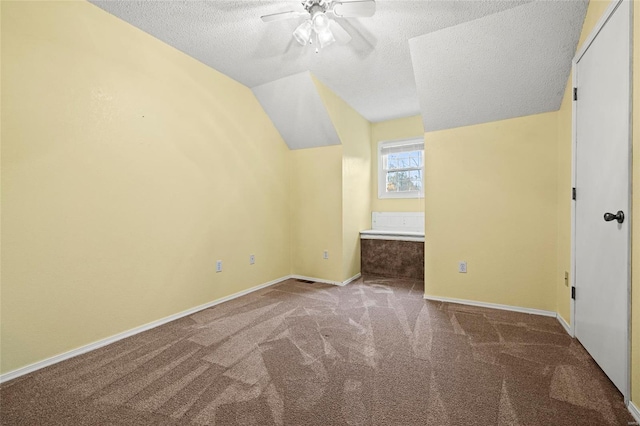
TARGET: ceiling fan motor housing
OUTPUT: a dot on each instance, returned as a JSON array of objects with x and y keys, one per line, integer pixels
[{"x": 313, "y": 6}]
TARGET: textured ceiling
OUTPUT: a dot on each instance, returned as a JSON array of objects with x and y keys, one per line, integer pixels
[
  {"x": 510, "y": 64},
  {"x": 297, "y": 111},
  {"x": 373, "y": 73}
]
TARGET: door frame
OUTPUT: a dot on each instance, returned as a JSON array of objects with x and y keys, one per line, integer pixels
[{"x": 585, "y": 46}]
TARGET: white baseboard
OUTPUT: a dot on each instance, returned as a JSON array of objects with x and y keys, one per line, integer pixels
[
  {"x": 634, "y": 411},
  {"x": 492, "y": 305},
  {"x": 317, "y": 280},
  {"x": 564, "y": 324},
  {"x": 103, "y": 342},
  {"x": 321, "y": 280}
]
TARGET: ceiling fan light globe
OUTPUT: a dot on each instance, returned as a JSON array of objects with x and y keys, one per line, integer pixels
[
  {"x": 302, "y": 34},
  {"x": 325, "y": 38},
  {"x": 320, "y": 22}
]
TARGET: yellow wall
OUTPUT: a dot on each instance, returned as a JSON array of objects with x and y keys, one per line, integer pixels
[
  {"x": 563, "y": 293},
  {"x": 490, "y": 200},
  {"x": 594, "y": 13},
  {"x": 316, "y": 212},
  {"x": 402, "y": 128},
  {"x": 469, "y": 169},
  {"x": 128, "y": 168},
  {"x": 119, "y": 152},
  {"x": 0, "y": 187},
  {"x": 355, "y": 133},
  {"x": 635, "y": 239},
  {"x": 562, "y": 288}
]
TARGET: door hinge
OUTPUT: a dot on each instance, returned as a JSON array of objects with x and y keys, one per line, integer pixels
[
  {"x": 575, "y": 93},
  {"x": 573, "y": 193},
  {"x": 573, "y": 292}
]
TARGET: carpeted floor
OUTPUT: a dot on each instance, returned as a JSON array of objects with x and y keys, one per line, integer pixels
[{"x": 370, "y": 353}]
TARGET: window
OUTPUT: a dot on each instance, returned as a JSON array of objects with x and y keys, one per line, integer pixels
[{"x": 400, "y": 167}]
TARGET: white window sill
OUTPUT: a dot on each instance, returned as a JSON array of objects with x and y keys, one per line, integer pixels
[{"x": 401, "y": 196}]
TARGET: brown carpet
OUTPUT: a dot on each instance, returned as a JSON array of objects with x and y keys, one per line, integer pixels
[{"x": 369, "y": 353}]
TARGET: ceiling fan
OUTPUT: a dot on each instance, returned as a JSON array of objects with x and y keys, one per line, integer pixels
[{"x": 318, "y": 20}]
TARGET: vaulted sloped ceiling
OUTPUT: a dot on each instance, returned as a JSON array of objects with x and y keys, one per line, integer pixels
[
  {"x": 296, "y": 109},
  {"x": 510, "y": 64},
  {"x": 467, "y": 55},
  {"x": 373, "y": 73}
]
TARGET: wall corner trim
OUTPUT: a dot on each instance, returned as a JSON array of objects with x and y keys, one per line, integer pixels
[
  {"x": 564, "y": 324},
  {"x": 353, "y": 278},
  {"x": 635, "y": 412},
  {"x": 492, "y": 306},
  {"x": 128, "y": 333}
]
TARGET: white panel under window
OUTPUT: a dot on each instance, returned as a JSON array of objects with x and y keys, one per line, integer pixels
[
  {"x": 398, "y": 221},
  {"x": 401, "y": 169}
]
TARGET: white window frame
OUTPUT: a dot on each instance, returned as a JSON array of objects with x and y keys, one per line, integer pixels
[{"x": 382, "y": 174}]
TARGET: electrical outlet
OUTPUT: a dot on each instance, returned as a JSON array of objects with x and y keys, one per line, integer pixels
[
  {"x": 566, "y": 279},
  {"x": 462, "y": 267},
  {"x": 325, "y": 254},
  {"x": 252, "y": 259},
  {"x": 218, "y": 265}
]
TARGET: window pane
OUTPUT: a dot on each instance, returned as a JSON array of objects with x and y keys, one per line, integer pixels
[
  {"x": 403, "y": 181},
  {"x": 401, "y": 164},
  {"x": 404, "y": 160}
]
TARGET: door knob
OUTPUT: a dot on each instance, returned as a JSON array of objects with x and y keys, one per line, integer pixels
[{"x": 618, "y": 216}]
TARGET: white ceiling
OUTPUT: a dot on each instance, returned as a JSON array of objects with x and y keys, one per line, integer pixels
[
  {"x": 510, "y": 64},
  {"x": 296, "y": 109},
  {"x": 373, "y": 73}
]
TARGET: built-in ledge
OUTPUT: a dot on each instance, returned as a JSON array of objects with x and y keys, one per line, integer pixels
[{"x": 377, "y": 234}]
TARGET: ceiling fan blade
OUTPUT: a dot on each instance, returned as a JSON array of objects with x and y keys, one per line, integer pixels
[
  {"x": 354, "y": 9},
  {"x": 341, "y": 35},
  {"x": 281, "y": 15}
]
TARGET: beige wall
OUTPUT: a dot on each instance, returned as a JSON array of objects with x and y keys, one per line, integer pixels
[
  {"x": 490, "y": 200},
  {"x": 402, "y": 128},
  {"x": 128, "y": 168},
  {"x": 316, "y": 212},
  {"x": 355, "y": 133}
]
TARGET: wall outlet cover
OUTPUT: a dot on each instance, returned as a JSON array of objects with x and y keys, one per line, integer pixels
[{"x": 462, "y": 267}]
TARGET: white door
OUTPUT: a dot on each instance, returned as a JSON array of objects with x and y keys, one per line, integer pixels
[{"x": 602, "y": 141}]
